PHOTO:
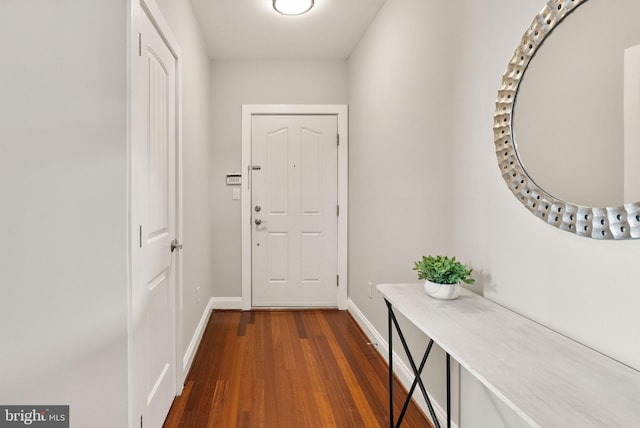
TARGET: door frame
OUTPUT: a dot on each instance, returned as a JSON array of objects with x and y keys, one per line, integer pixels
[
  {"x": 150, "y": 7},
  {"x": 341, "y": 112}
]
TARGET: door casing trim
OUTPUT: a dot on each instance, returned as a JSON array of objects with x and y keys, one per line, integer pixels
[{"x": 341, "y": 112}]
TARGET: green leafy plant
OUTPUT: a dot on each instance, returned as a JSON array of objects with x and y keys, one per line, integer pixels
[{"x": 443, "y": 270}]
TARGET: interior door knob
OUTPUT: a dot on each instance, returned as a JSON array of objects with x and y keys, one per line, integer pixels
[{"x": 258, "y": 222}]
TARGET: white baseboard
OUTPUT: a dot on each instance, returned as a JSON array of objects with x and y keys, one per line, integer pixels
[
  {"x": 404, "y": 373},
  {"x": 229, "y": 303},
  {"x": 214, "y": 303},
  {"x": 187, "y": 360}
]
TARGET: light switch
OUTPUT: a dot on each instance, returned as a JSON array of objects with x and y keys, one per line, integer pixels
[{"x": 235, "y": 194}]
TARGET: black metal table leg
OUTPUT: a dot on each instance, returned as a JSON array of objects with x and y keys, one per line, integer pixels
[
  {"x": 391, "y": 418},
  {"x": 448, "y": 390},
  {"x": 417, "y": 372},
  {"x": 415, "y": 383}
]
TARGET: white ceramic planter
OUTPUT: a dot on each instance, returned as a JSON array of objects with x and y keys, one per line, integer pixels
[{"x": 442, "y": 291}]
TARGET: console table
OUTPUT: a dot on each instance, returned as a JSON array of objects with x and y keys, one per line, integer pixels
[{"x": 545, "y": 377}]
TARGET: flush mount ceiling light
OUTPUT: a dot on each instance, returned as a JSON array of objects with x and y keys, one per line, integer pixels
[{"x": 292, "y": 7}]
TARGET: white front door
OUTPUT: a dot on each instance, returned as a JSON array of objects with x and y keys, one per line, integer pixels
[
  {"x": 154, "y": 223},
  {"x": 294, "y": 200}
]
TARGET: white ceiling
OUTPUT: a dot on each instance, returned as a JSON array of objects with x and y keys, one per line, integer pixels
[{"x": 251, "y": 29}]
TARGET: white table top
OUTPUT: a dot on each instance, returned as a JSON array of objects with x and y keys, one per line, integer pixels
[{"x": 548, "y": 379}]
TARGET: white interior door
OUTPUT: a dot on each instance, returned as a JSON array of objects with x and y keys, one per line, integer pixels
[
  {"x": 294, "y": 204},
  {"x": 154, "y": 217}
]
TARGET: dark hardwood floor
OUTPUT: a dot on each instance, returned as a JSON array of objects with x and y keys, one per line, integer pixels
[{"x": 287, "y": 369}]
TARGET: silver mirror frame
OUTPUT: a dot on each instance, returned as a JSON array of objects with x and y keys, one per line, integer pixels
[{"x": 621, "y": 222}]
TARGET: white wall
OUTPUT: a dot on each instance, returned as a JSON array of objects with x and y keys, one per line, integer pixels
[
  {"x": 237, "y": 82},
  {"x": 583, "y": 288},
  {"x": 400, "y": 171},
  {"x": 580, "y": 287},
  {"x": 63, "y": 163},
  {"x": 197, "y": 252},
  {"x": 405, "y": 112},
  {"x": 63, "y": 157}
]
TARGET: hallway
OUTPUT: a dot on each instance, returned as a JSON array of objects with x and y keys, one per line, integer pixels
[{"x": 286, "y": 369}]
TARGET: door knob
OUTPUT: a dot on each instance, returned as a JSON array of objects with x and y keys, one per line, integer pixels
[
  {"x": 175, "y": 245},
  {"x": 258, "y": 222}
]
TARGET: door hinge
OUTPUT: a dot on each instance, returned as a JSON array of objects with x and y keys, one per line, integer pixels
[
  {"x": 337, "y": 139},
  {"x": 140, "y": 421},
  {"x": 139, "y": 44},
  {"x": 140, "y": 237},
  {"x": 337, "y": 280},
  {"x": 338, "y": 210}
]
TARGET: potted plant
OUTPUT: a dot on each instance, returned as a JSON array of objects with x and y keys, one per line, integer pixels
[{"x": 442, "y": 276}]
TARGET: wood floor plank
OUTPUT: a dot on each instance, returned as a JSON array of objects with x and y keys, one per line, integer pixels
[
  {"x": 177, "y": 409},
  {"x": 308, "y": 368}
]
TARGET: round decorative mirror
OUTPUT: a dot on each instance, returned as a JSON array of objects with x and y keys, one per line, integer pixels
[{"x": 567, "y": 121}]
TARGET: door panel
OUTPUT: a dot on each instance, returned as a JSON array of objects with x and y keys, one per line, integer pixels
[
  {"x": 311, "y": 257},
  {"x": 154, "y": 213},
  {"x": 278, "y": 244},
  {"x": 294, "y": 184},
  {"x": 311, "y": 172},
  {"x": 158, "y": 179},
  {"x": 277, "y": 171}
]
